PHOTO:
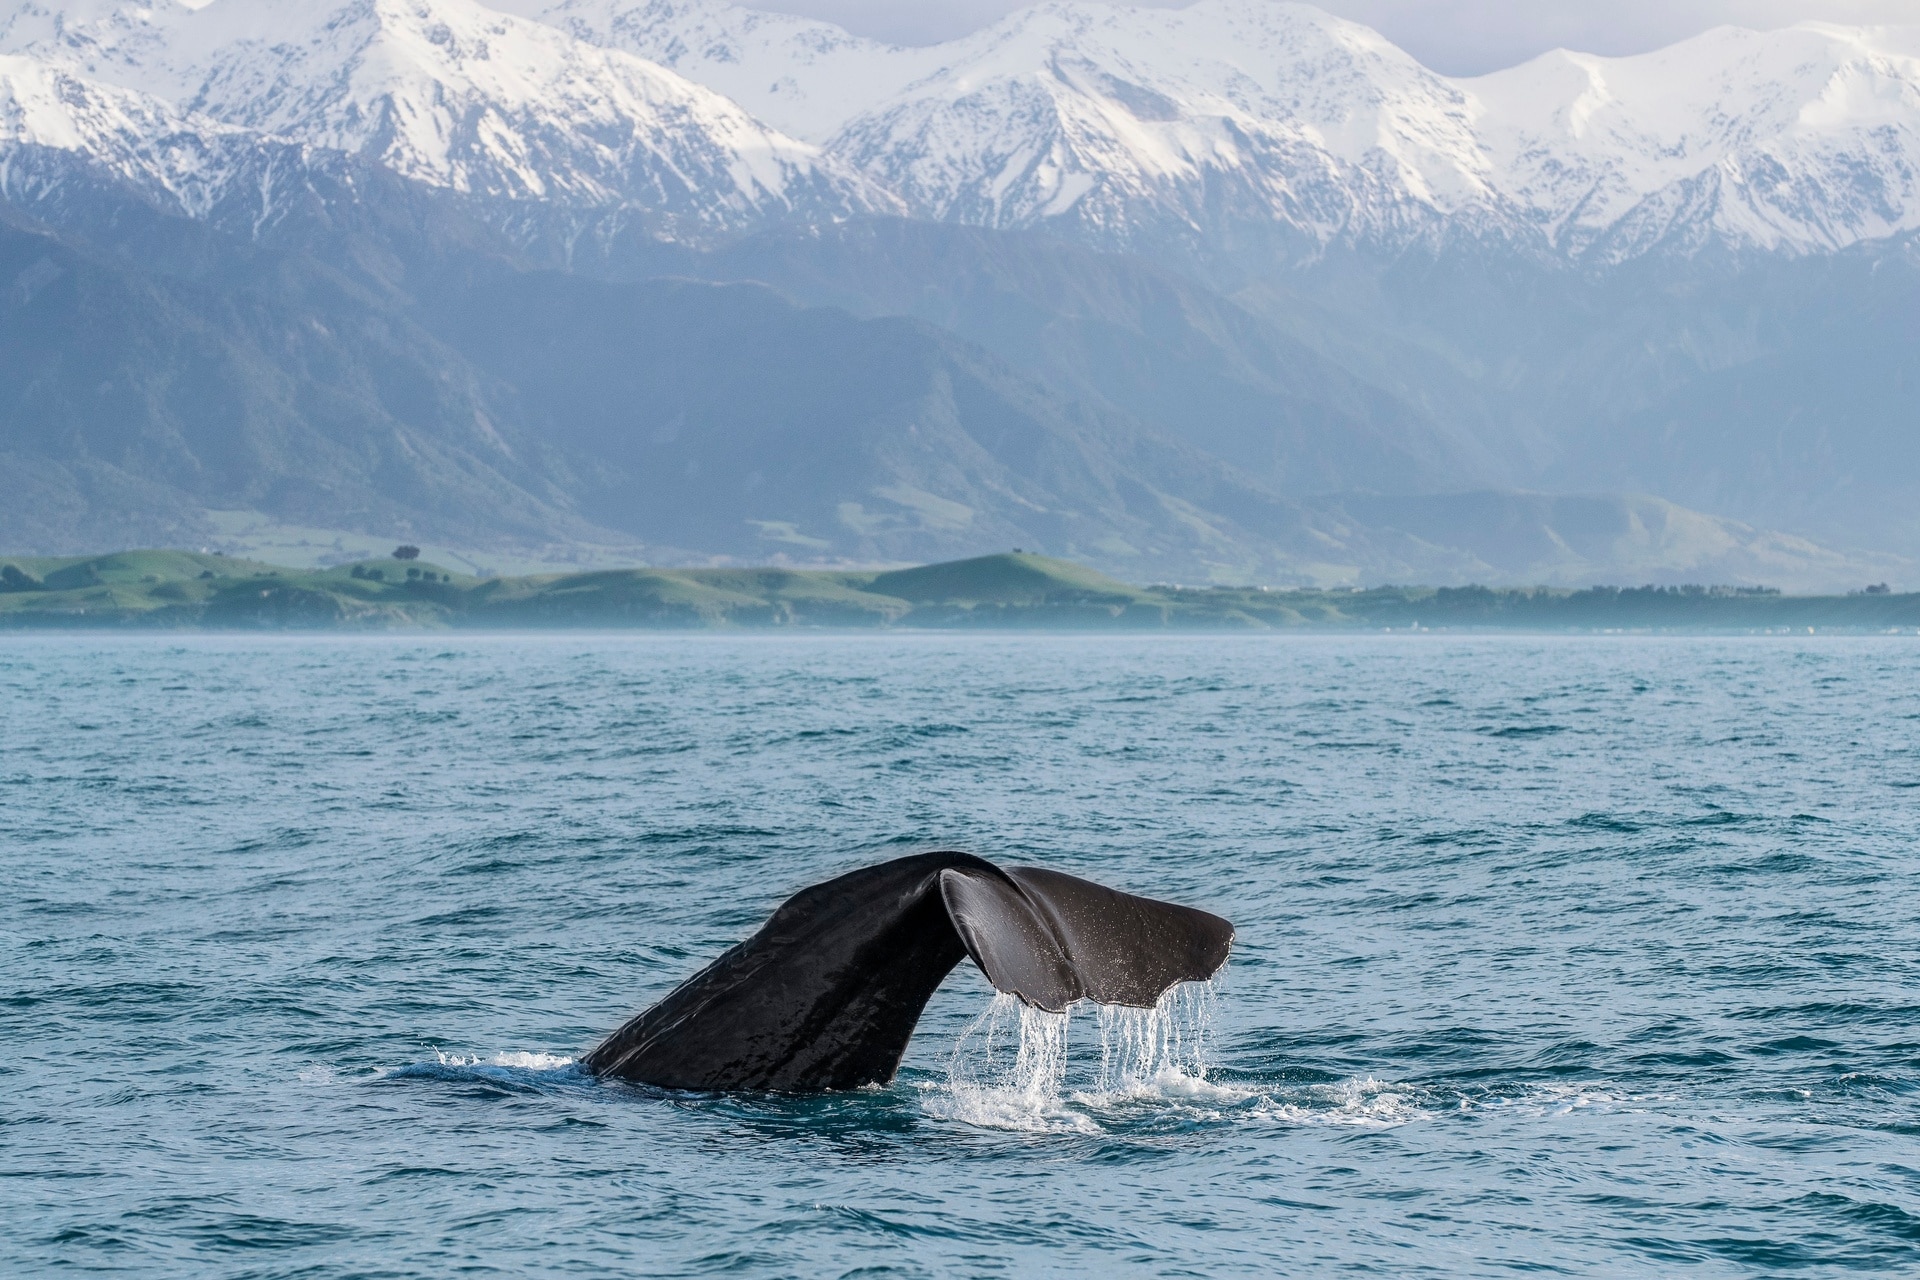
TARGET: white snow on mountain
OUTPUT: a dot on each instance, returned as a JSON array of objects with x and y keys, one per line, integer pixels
[
  {"x": 1218, "y": 124},
  {"x": 1241, "y": 113},
  {"x": 1112, "y": 118},
  {"x": 1803, "y": 139},
  {"x": 56, "y": 126},
  {"x": 1207, "y": 118},
  {"x": 458, "y": 96},
  {"x": 111, "y": 41}
]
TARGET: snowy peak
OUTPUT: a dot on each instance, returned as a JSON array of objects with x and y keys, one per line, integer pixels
[
  {"x": 1268, "y": 127},
  {"x": 1806, "y": 138},
  {"x": 1111, "y": 120},
  {"x": 1264, "y": 112},
  {"x": 1346, "y": 86},
  {"x": 455, "y": 95},
  {"x": 464, "y": 98},
  {"x": 1242, "y": 113}
]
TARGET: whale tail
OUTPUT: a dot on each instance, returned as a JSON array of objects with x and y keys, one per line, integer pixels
[{"x": 826, "y": 994}]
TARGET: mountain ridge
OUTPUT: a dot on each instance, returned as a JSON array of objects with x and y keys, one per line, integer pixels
[
  {"x": 1263, "y": 293},
  {"x": 1579, "y": 156},
  {"x": 1224, "y": 121},
  {"x": 455, "y": 96}
]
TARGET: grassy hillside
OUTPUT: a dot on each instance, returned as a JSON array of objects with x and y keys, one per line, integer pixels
[
  {"x": 184, "y": 589},
  {"x": 178, "y": 589}
]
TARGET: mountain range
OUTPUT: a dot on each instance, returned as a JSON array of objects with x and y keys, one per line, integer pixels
[{"x": 1234, "y": 292}]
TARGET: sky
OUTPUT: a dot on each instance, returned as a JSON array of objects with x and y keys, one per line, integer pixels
[{"x": 1457, "y": 37}]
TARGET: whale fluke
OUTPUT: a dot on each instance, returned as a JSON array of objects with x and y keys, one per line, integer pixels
[{"x": 826, "y": 994}]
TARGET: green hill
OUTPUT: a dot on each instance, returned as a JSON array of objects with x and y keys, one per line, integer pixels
[
  {"x": 183, "y": 590},
  {"x": 1005, "y": 579}
]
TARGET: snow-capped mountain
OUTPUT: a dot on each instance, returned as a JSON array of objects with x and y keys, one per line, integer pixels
[
  {"x": 1112, "y": 120},
  {"x": 1804, "y": 139},
  {"x": 59, "y": 130},
  {"x": 1231, "y": 115},
  {"x": 1208, "y": 119},
  {"x": 460, "y": 98},
  {"x": 1231, "y": 123},
  {"x": 395, "y": 156},
  {"x": 114, "y": 41}
]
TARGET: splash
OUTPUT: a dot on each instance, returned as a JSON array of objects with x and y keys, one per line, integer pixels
[
  {"x": 1008, "y": 1070},
  {"x": 511, "y": 1070},
  {"x": 1010, "y": 1067},
  {"x": 520, "y": 1060}
]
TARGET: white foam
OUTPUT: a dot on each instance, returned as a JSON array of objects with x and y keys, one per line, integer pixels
[
  {"x": 1359, "y": 1104},
  {"x": 1009, "y": 1067},
  {"x": 1008, "y": 1071},
  {"x": 1572, "y": 1098},
  {"x": 523, "y": 1061}
]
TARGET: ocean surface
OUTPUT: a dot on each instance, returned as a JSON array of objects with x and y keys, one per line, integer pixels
[{"x": 1555, "y": 955}]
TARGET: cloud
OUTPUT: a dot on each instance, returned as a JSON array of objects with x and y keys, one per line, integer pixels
[
  {"x": 1466, "y": 37},
  {"x": 1459, "y": 37},
  {"x": 900, "y": 21}
]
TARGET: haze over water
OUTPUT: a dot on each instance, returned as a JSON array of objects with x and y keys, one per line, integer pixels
[{"x": 1587, "y": 955}]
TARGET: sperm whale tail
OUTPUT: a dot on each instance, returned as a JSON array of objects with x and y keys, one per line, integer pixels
[{"x": 827, "y": 993}]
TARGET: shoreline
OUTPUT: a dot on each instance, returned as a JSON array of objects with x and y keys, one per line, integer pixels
[{"x": 187, "y": 592}]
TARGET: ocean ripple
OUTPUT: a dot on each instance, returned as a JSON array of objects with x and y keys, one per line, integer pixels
[{"x": 1592, "y": 956}]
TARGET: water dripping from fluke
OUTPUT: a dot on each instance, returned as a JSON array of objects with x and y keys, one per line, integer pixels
[
  {"x": 1010, "y": 1068},
  {"x": 1162, "y": 1050}
]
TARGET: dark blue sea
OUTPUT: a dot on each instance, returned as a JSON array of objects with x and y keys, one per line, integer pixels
[{"x": 1591, "y": 957}]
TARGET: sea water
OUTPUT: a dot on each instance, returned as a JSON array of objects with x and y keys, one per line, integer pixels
[{"x": 1584, "y": 956}]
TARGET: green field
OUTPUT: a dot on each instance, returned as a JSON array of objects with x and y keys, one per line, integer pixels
[{"x": 183, "y": 590}]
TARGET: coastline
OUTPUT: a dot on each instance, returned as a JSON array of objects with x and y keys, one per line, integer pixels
[{"x": 188, "y": 591}]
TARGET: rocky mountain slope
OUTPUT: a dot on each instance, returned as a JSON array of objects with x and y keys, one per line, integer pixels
[
  {"x": 1233, "y": 289},
  {"x": 686, "y": 422},
  {"x": 1241, "y": 116},
  {"x": 1223, "y": 122},
  {"x": 449, "y": 94}
]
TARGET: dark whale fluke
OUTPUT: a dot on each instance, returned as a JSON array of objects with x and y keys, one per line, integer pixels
[{"x": 826, "y": 994}]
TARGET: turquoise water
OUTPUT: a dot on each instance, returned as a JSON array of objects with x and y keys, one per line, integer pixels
[{"x": 1583, "y": 956}]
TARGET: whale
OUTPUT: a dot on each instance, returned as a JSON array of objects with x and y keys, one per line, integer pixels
[{"x": 826, "y": 994}]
